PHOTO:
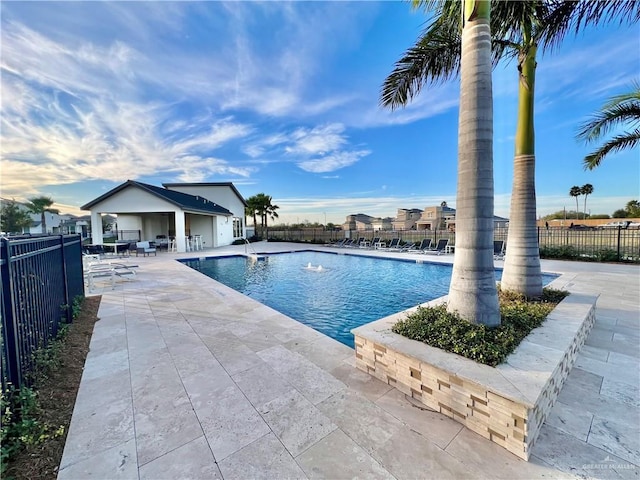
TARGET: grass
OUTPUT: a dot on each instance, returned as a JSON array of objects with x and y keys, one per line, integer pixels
[
  {"x": 491, "y": 346},
  {"x": 48, "y": 405}
]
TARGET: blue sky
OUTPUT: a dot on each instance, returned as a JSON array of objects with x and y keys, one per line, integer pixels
[{"x": 280, "y": 98}]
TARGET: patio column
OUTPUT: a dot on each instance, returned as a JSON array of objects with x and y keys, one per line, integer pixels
[
  {"x": 180, "y": 231},
  {"x": 96, "y": 227}
]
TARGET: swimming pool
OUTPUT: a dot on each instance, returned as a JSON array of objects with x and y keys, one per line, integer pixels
[{"x": 345, "y": 292}]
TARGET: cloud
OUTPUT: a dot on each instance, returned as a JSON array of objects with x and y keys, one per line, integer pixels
[{"x": 332, "y": 162}]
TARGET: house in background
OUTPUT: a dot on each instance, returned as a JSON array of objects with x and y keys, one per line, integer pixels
[
  {"x": 406, "y": 218},
  {"x": 214, "y": 211}
]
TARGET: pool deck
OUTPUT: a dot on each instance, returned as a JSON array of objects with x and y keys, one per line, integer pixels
[{"x": 187, "y": 378}]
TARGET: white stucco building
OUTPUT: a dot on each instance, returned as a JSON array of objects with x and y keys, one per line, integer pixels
[{"x": 214, "y": 211}]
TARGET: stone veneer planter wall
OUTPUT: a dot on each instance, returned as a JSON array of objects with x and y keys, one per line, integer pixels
[{"x": 506, "y": 404}]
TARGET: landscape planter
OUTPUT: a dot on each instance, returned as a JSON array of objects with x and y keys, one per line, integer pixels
[{"x": 506, "y": 404}]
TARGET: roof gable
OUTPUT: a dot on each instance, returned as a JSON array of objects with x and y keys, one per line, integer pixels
[
  {"x": 209, "y": 184},
  {"x": 182, "y": 200}
]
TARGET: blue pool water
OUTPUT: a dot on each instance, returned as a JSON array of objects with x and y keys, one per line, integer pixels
[{"x": 348, "y": 291}]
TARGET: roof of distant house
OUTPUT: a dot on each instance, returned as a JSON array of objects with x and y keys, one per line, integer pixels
[{"x": 182, "y": 200}]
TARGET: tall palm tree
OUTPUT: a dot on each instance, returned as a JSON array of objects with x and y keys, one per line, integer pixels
[
  {"x": 269, "y": 210},
  {"x": 575, "y": 191},
  {"x": 472, "y": 292},
  {"x": 41, "y": 205},
  {"x": 586, "y": 190},
  {"x": 619, "y": 110},
  {"x": 519, "y": 29},
  {"x": 251, "y": 210}
]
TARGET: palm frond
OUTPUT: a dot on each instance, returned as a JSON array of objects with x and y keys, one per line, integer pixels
[
  {"x": 434, "y": 59},
  {"x": 622, "y": 109},
  {"x": 565, "y": 16},
  {"x": 617, "y": 143}
]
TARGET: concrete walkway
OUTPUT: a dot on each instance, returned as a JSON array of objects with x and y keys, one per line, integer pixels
[{"x": 187, "y": 378}]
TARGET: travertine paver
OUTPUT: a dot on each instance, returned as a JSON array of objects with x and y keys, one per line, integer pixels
[{"x": 188, "y": 379}]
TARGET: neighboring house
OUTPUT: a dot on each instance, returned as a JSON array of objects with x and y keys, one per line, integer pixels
[
  {"x": 53, "y": 220},
  {"x": 215, "y": 211},
  {"x": 439, "y": 217},
  {"x": 406, "y": 218},
  {"x": 74, "y": 225},
  {"x": 359, "y": 221},
  {"x": 385, "y": 223}
]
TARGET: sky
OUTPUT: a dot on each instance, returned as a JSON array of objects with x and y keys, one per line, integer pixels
[{"x": 280, "y": 98}]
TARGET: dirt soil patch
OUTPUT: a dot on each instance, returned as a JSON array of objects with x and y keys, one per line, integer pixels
[{"x": 57, "y": 396}]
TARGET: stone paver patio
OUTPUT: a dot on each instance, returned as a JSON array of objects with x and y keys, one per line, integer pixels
[{"x": 187, "y": 378}]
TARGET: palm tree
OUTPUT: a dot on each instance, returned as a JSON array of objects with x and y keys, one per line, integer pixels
[
  {"x": 619, "y": 110},
  {"x": 269, "y": 210},
  {"x": 251, "y": 210},
  {"x": 41, "y": 205},
  {"x": 575, "y": 191},
  {"x": 519, "y": 29},
  {"x": 586, "y": 190},
  {"x": 472, "y": 292}
]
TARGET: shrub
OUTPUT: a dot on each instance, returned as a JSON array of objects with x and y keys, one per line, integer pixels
[{"x": 490, "y": 346}]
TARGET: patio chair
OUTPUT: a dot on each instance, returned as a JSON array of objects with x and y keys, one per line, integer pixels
[
  {"x": 408, "y": 247},
  {"x": 425, "y": 245},
  {"x": 440, "y": 247},
  {"x": 394, "y": 245},
  {"x": 374, "y": 242},
  {"x": 498, "y": 249},
  {"x": 95, "y": 268},
  {"x": 145, "y": 248}
]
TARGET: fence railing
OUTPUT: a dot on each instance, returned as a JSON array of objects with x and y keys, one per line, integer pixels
[
  {"x": 616, "y": 244},
  {"x": 41, "y": 277}
]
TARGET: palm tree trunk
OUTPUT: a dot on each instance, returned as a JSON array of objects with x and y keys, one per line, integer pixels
[
  {"x": 43, "y": 221},
  {"x": 472, "y": 292},
  {"x": 522, "y": 273}
]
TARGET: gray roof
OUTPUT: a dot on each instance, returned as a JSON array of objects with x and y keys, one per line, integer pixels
[
  {"x": 182, "y": 200},
  {"x": 209, "y": 184}
]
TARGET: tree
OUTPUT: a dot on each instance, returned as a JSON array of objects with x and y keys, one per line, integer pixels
[
  {"x": 575, "y": 191},
  {"x": 472, "y": 292},
  {"x": 586, "y": 190},
  {"x": 268, "y": 210},
  {"x": 41, "y": 205},
  {"x": 632, "y": 208},
  {"x": 519, "y": 29},
  {"x": 13, "y": 219},
  {"x": 621, "y": 109},
  {"x": 260, "y": 205},
  {"x": 620, "y": 213},
  {"x": 251, "y": 210}
]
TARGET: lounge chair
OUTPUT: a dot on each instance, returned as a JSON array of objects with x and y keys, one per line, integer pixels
[
  {"x": 425, "y": 245},
  {"x": 440, "y": 247},
  {"x": 394, "y": 245},
  {"x": 498, "y": 249},
  {"x": 374, "y": 242},
  {"x": 95, "y": 268},
  {"x": 408, "y": 247}
]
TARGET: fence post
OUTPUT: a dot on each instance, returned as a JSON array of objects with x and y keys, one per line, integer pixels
[
  {"x": 67, "y": 300},
  {"x": 618, "y": 252},
  {"x": 10, "y": 340}
]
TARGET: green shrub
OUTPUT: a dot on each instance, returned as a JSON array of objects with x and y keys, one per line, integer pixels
[
  {"x": 490, "y": 346},
  {"x": 565, "y": 252}
]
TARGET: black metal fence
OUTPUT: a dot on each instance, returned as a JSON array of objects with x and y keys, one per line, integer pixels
[
  {"x": 41, "y": 277},
  {"x": 616, "y": 244}
]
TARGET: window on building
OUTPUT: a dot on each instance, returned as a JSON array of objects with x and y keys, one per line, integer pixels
[
  {"x": 237, "y": 227},
  {"x": 429, "y": 214}
]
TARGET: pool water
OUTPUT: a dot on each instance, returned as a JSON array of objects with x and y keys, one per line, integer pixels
[{"x": 332, "y": 293}]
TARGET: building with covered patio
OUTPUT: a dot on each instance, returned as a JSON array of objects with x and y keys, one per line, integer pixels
[{"x": 179, "y": 212}]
